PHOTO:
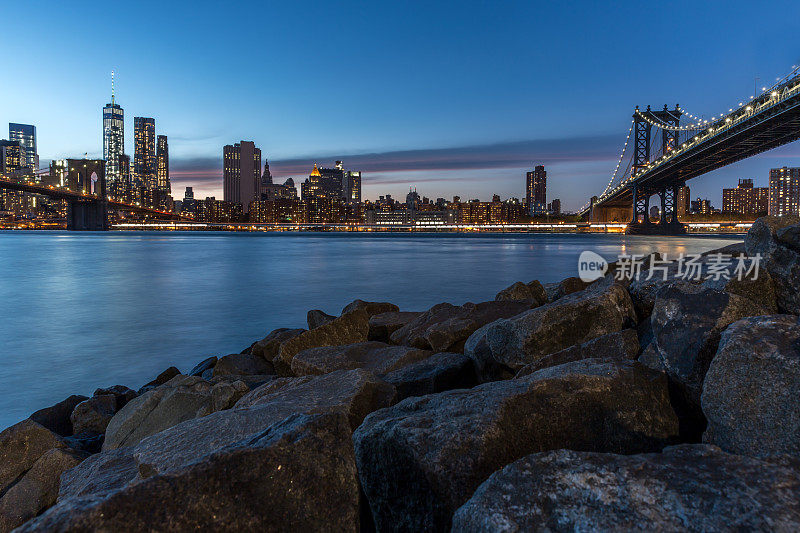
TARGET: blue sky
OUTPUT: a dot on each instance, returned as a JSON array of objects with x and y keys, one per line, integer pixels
[{"x": 450, "y": 97}]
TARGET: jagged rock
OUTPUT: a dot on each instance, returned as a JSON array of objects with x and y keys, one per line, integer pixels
[
  {"x": 21, "y": 445},
  {"x": 371, "y": 308},
  {"x": 242, "y": 365},
  {"x": 381, "y": 326},
  {"x": 252, "y": 381},
  {"x": 162, "y": 378},
  {"x": 181, "y": 398},
  {"x": 775, "y": 239},
  {"x": 121, "y": 394},
  {"x": 268, "y": 346},
  {"x": 502, "y": 348},
  {"x": 524, "y": 291},
  {"x": 376, "y": 357},
  {"x": 684, "y": 488},
  {"x": 225, "y": 395},
  {"x": 564, "y": 287},
  {"x": 37, "y": 489},
  {"x": 421, "y": 459},
  {"x": 316, "y": 318},
  {"x": 439, "y": 372},
  {"x": 88, "y": 442},
  {"x": 94, "y": 414},
  {"x": 750, "y": 390},
  {"x": 355, "y": 392},
  {"x": 56, "y": 418},
  {"x": 686, "y": 323},
  {"x": 301, "y": 468},
  {"x": 619, "y": 345},
  {"x": 204, "y": 365},
  {"x": 349, "y": 328},
  {"x": 445, "y": 327}
]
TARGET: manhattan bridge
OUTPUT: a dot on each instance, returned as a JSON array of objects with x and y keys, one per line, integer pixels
[{"x": 661, "y": 153}]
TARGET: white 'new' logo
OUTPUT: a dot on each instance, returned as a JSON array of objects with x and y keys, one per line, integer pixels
[{"x": 591, "y": 266}]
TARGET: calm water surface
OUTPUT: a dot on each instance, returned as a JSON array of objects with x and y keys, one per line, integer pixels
[{"x": 85, "y": 310}]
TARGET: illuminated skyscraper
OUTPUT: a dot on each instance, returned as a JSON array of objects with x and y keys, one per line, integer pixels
[
  {"x": 536, "y": 191},
  {"x": 113, "y": 140},
  {"x": 162, "y": 155},
  {"x": 144, "y": 153},
  {"x": 784, "y": 191},
  {"x": 241, "y": 173},
  {"x": 745, "y": 199},
  {"x": 26, "y": 135},
  {"x": 684, "y": 200}
]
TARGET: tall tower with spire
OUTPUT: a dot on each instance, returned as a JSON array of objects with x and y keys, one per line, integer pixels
[{"x": 114, "y": 143}]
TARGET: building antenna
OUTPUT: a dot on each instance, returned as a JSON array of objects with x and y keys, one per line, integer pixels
[{"x": 112, "y": 87}]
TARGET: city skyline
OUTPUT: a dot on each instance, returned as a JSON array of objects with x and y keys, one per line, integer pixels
[{"x": 423, "y": 125}]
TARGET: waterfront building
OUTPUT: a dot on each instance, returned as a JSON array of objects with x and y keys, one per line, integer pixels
[
  {"x": 113, "y": 140},
  {"x": 784, "y": 191},
  {"x": 536, "y": 191},
  {"x": 684, "y": 200},
  {"x": 277, "y": 211},
  {"x": 241, "y": 175},
  {"x": 11, "y": 158},
  {"x": 352, "y": 186},
  {"x": 144, "y": 153},
  {"x": 554, "y": 207},
  {"x": 26, "y": 135},
  {"x": 745, "y": 199},
  {"x": 162, "y": 165},
  {"x": 701, "y": 206},
  {"x": 333, "y": 183},
  {"x": 213, "y": 210},
  {"x": 274, "y": 191}
]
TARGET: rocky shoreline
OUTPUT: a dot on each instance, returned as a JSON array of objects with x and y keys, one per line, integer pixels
[{"x": 644, "y": 404}]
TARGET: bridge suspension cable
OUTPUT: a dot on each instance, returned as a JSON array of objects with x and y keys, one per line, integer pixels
[{"x": 621, "y": 158}]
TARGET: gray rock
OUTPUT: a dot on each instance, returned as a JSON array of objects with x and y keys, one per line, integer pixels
[
  {"x": 439, "y": 372},
  {"x": 301, "y": 468},
  {"x": 162, "y": 378},
  {"x": 316, "y": 318},
  {"x": 421, "y": 459},
  {"x": 503, "y": 347},
  {"x": 376, "y": 357},
  {"x": 381, "y": 326},
  {"x": 750, "y": 390},
  {"x": 242, "y": 365},
  {"x": 686, "y": 323},
  {"x": 349, "y": 328},
  {"x": 445, "y": 327},
  {"x": 564, "y": 287},
  {"x": 37, "y": 489},
  {"x": 94, "y": 414},
  {"x": 371, "y": 308},
  {"x": 180, "y": 399},
  {"x": 776, "y": 240},
  {"x": 121, "y": 394},
  {"x": 202, "y": 366},
  {"x": 224, "y": 395},
  {"x": 684, "y": 488},
  {"x": 21, "y": 445},
  {"x": 267, "y": 348},
  {"x": 619, "y": 345},
  {"x": 524, "y": 291},
  {"x": 56, "y": 418}
]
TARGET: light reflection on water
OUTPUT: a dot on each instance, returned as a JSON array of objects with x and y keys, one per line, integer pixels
[{"x": 85, "y": 310}]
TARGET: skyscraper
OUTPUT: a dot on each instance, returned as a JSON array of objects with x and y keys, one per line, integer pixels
[
  {"x": 745, "y": 199},
  {"x": 26, "y": 135},
  {"x": 144, "y": 153},
  {"x": 536, "y": 191},
  {"x": 352, "y": 186},
  {"x": 784, "y": 191},
  {"x": 10, "y": 157},
  {"x": 241, "y": 173},
  {"x": 684, "y": 200},
  {"x": 162, "y": 156},
  {"x": 113, "y": 141}
]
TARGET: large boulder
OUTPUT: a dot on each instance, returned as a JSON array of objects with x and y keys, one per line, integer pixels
[
  {"x": 686, "y": 325},
  {"x": 349, "y": 328},
  {"x": 94, "y": 414},
  {"x": 203, "y": 366},
  {"x": 242, "y": 364},
  {"x": 618, "y": 345},
  {"x": 37, "y": 489},
  {"x": 421, "y": 459},
  {"x": 777, "y": 240},
  {"x": 684, "y": 488},
  {"x": 316, "y": 318},
  {"x": 268, "y": 347},
  {"x": 56, "y": 418},
  {"x": 371, "y": 308},
  {"x": 564, "y": 287},
  {"x": 376, "y": 357},
  {"x": 298, "y": 473},
  {"x": 21, "y": 445},
  {"x": 381, "y": 326},
  {"x": 439, "y": 372},
  {"x": 502, "y": 348},
  {"x": 162, "y": 378},
  {"x": 524, "y": 291},
  {"x": 750, "y": 393},
  {"x": 180, "y": 399},
  {"x": 445, "y": 327}
]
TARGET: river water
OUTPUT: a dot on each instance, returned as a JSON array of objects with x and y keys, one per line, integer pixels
[{"x": 85, "y": 310}]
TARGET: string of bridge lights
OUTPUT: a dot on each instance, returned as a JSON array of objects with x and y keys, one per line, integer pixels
[{"x": 621, "y": 158}]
